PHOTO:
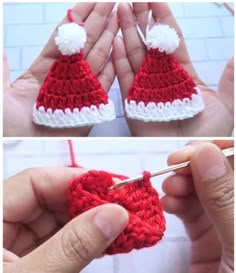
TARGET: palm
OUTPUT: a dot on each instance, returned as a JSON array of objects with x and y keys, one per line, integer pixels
[
  {"x": 215, "y": 120},
  {"x": 20, "y": 96},
  {"x": 129, "y": 52}
]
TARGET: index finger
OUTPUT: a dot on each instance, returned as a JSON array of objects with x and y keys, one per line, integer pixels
[
  {"x": 163, "y": 14},
  {"x": 80, "y": 12},
  {"x": 185, "y": 153},
  {"x": 26, "y": 194}
]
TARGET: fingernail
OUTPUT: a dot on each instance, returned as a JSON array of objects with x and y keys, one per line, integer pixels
[
  {"x": 111, "y": 220},
  {"x": 209, "y": 162},
  {"x": 181, "y": 155}
]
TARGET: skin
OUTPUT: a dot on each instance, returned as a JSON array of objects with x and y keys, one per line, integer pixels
[
  {"x": 128, "y": 54},
  {"x": 101, "y": 27},
  {"x": 34, "y": 230},
  {"x": 205, "y": 206},
  {"x": 37, "y": 234}
]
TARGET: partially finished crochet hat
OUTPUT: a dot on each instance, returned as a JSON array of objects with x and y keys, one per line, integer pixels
[
  {"x": 162, "y": 90},
  {"x": 146, "y": 220},
  {"x": 71, "y": 95}
]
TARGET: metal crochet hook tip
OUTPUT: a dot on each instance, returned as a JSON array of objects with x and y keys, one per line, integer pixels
[{"x": 227, "y": 152}]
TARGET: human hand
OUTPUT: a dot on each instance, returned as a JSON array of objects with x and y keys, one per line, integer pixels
[
  {"x": 202, "y": 196},
  {"x": 128, "y": 55},
  {"x": 36, "y": 235},
  {"x": 19, "y": 97}
]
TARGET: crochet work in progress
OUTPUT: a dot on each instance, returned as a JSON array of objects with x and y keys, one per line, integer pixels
[
  {"x": 162, "y": 90},
  {"x": 146, "y": 220},
  {"x": 71, "y": 95}
]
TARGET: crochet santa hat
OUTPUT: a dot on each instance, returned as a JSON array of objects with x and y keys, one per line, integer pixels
[
  {"x": 146, "y": 218},
  {"x": 162, "y": 90},
  {"x": 71, "y": 95}
]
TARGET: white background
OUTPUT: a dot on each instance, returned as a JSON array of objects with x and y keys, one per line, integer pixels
[
  {"x": 207, "y": 27},
  {"x": 123, "y": 156}
]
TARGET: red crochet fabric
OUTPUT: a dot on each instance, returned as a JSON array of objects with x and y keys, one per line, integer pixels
[
  {"x": 71, "y": 95},
  {"x": 71, "y": 84},
  {"x": 161, "y": 79},
  {"x": 146, "y": 220}
]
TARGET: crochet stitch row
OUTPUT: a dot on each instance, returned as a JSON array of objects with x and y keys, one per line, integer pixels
[{"x": 146, "y": 220}]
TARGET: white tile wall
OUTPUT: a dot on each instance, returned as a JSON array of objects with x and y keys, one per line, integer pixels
[
  {"x": 124, "y": 156},
  {"x": 208, "y": 29}
]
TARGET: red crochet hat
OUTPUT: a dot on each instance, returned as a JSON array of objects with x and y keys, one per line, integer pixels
[
  {"x": 162, "y": 90},
  {"x": 71, "y": 95},
  {"x": 146, "y": 220}
]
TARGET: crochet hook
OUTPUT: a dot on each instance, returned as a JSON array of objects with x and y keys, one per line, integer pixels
[{"x": 227, "y": 152}]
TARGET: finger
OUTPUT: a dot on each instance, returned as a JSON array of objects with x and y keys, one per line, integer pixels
[
  {"x": 134, "y": 46},
  {"x": 189, "y": 210},
  {"x": 163, "y": 14},
  {"x": 79, "y": 12},
  {"x": 122, "y": 66},
  {"x": 184, "y": 154},
  {"x": 6, "y": 72},
  {"x": 178, "y": 185},
  {"x": 95, "y": 23},
  {"x": 213, "y": 180},
  {"x": 98, "y": 55},
  {"x": 39, "y": 188},
  {"x": 107, "y": 75},
  {"x": 141, "y": 11},
  {"x": 186, "y": 208},
  {"x": 179, "y": 156},
  {"x": 79, "y": 242},
  {"x": 226, "y": 86},
  {"x": 9, "y": 256}
]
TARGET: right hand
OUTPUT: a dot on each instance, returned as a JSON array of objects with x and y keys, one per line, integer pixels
[
  {"x": 202, "y": 196},
  {"x": 217, "y": 119}
]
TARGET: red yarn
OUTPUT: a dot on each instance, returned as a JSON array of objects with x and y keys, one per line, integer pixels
[
  {"x": 73, "y": 164},
  {"x": 69, "y": 16},
  {"x": 70, "y": 83},
  {"x": 161, "y": 79},
  {"x": 146, "y": 220}
]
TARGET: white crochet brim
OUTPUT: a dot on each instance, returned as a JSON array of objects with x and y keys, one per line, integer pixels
[
  {"x": 77, "y": 118},
  {"x": 177, "y": 110}
]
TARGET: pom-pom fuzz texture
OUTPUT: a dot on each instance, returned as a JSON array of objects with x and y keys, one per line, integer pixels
[
  {"x": 146, "y": 220},
  {"x": 162, "y": 90},
  {"x": 70, "y": 39},
  {"x": 163, "y": 38}
]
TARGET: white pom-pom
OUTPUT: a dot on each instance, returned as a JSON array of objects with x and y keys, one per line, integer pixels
[
  {"x": 70, "y": 38},
  {"x": 163, "y": 38}
]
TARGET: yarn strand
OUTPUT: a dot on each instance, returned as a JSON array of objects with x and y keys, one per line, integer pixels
[
  {"x": 69, "y": 16},
  {"x": 72, "y": 155}
]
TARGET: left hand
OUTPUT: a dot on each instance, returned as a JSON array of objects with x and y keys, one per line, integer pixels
[
  {"x": 19, "y": 97},
  {"x": 34, "y": 206},
  {"x": 37, "y": 237}
]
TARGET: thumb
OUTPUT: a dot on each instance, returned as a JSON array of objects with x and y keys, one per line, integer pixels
[
  {"x": 214, "y": 183},
  {"x": 79, "y": 242}
]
